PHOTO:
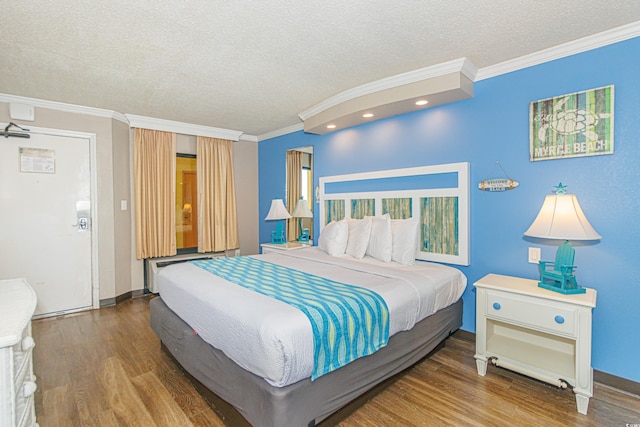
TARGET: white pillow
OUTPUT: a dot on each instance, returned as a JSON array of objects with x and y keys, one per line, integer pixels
[
  {"x": 333, "y": 239},
  {"x": 359, "y": 232},
  {"x": 380, "y": 242},
  {"x": 404, "y": 240}
]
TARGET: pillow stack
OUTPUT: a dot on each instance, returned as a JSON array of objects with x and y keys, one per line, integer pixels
[{"x": 379, "y": 237}]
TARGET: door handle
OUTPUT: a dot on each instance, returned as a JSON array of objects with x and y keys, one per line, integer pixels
[{"x": 83, "y": 216}]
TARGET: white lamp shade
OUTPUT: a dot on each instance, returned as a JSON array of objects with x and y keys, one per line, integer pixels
[
  {"x": 561, "y": 217},
  {"x": 277, "y": 210},
  {"x": 302, "y": 210}
]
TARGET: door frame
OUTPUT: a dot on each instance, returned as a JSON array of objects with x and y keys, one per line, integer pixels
[{"x": 91, "y": 137}]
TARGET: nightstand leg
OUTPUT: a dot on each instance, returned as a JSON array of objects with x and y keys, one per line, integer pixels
[
  {"x": 481, "y": 364},
  {"x": 583, "y": 403}
]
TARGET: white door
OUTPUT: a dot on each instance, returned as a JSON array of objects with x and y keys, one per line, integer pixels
[{"x": 45, "y": 218}]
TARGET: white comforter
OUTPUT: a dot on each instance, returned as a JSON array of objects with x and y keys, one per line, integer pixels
[{"x": 274, "y": 340}]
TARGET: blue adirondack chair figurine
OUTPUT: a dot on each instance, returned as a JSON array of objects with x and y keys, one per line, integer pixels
[{"x": 561, "y": 278}]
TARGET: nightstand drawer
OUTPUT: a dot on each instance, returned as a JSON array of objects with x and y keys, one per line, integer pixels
[{"x": 544, "y": 315}]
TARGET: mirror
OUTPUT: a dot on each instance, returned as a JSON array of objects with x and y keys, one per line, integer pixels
[{"x": 299, "y": 186}]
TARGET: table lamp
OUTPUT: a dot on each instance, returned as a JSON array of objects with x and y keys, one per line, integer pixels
[
  {"x": 278, "y": 213},
  {"x": 561, "y": 217},
  {"x": 302, "y": 211}
]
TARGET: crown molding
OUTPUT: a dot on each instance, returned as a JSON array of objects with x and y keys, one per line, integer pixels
[
  {"x": 584, "y": 44},
  {"x": 440, "y": 84},
  {"x": 249, "y": 138},
  {"x": 130, "y": 119},
  {"x": 183, "y": 128},
  {"x": 280, "y": 132},
  {"x": 462, "y": 65},
  {"x": 61, "y": 106}
]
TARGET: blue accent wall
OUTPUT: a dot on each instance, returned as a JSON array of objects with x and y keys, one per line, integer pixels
[{"x": 494, "y": 126}]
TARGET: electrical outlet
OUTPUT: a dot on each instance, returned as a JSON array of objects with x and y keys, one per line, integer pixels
[{"x": 534, "y": 255}]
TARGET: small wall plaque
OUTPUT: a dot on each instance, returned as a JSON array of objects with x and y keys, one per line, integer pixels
[{"x": 498, "y": 184}]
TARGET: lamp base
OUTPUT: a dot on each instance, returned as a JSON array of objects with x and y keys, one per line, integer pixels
[
  {"x": 563, "y": 290},
  {"x": 560, "y": 278},
  {"x": 304, "y": 235},
  {"x": 277, "y": 238}
]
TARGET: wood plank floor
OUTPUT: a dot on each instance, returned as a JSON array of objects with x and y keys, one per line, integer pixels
[{"x": 105, "y": 368}]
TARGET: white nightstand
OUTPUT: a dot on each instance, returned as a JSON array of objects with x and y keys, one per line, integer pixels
[
  {"x": 536, "y": 332},
  {"x": 289, "y": 246}
]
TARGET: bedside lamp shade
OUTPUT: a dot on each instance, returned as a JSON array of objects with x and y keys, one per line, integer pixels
[
  {"x": 302, "y": 211},
  {"x": 561, "y": 217},
  {"x": 278, "y": 212}
]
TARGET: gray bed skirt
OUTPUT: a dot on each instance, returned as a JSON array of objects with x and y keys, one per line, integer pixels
[{"x": 305, "y": 403}]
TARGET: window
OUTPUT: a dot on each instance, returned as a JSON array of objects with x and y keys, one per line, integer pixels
[
  {"x": 305, "y": 177},
  {"x": 186, "y": 204}
]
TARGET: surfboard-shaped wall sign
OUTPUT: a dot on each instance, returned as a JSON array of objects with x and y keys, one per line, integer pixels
[{"x": 498, "y": 184}]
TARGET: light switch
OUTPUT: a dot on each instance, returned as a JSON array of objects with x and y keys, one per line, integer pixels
[
  {"x": 534, "y": 255},
  {"x": 123, "y": 205}
]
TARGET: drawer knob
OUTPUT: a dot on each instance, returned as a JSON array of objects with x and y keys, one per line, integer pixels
[
  {"x": 497, "y": 306},
  {"x": 28, "y": 343},
  {"x": 29, "y": 388},
  {"x": 559, "y": 319}
]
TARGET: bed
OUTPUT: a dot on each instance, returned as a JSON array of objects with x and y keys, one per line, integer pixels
[{"x": 258, "y": 355}]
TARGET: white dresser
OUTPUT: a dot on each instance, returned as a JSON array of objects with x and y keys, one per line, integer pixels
[{"x": 17, "y": 382}]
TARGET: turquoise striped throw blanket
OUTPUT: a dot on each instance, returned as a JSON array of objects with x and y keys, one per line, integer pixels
[{"x": 348, "y": 322}]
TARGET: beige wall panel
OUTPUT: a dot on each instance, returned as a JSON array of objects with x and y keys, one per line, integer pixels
[
  {"x": 245, "y": 167},
  {"x": 123, "y": 221}
]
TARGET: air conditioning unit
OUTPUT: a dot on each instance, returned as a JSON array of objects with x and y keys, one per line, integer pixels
[{"x": 154, "y": 265}]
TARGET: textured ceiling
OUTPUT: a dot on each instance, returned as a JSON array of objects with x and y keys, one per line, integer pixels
[{"x": 253, "y": 66}]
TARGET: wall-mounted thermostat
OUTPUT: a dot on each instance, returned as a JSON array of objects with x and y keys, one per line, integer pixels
[{"x": 24, "y": 112}]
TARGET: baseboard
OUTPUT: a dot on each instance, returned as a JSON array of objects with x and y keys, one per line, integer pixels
[
  {"x": 618, "y": 383},
  {"x": 599, "y": 377},
  {"x": 110, "y": 302}
]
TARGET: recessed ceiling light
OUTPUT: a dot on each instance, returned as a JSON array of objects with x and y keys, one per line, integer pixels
[
  {"x": 367, "y": 115},
  {"x": 331, "y": 126},
  {"x": 422, "y": 102}
]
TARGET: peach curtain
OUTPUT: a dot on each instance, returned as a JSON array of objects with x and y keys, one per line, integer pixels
[
  {"x": 218, "y": 222},
  {"x": 294, "y": 190},
  {"x": 154, "y": 158}
]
